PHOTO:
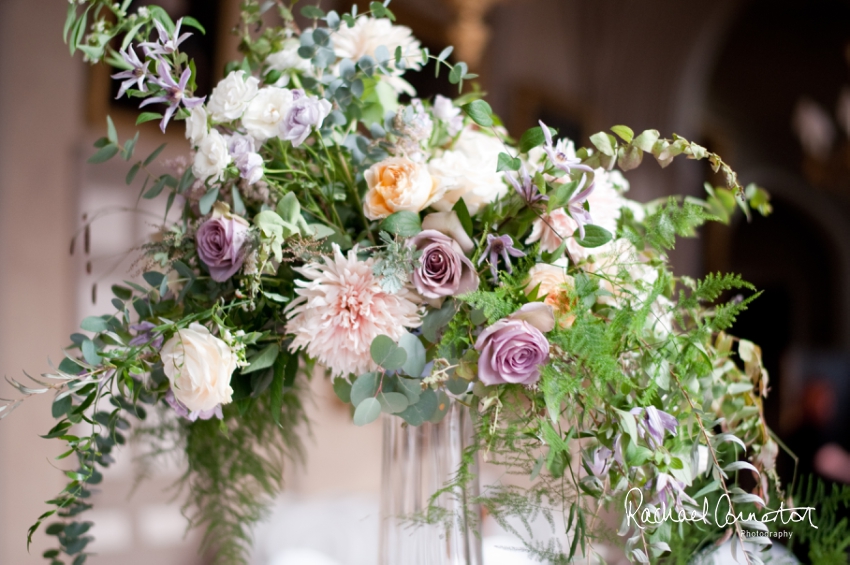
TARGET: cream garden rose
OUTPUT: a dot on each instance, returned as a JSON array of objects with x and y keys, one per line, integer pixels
[
  {"x": 397, "y": 184},
  {"x": 231, "y": 96},
  {"x": 469, "y": 171},
  {"x": 198, "y": 366}
]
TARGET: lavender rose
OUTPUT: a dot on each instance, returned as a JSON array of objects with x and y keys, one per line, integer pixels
[
  {"x": 443, "y": 270},
  {"x": 220, "y": 241},
  {"x": 513, "y": 348},
  {"x": 305, "y": 112}
]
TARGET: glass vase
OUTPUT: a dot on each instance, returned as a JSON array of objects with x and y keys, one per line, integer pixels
[{"x": 417, "y": 462}]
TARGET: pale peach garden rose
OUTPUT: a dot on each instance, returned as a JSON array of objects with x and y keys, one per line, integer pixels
[
  {"x": 341, "y": 307},
  {"x": 397, "y": 184},
  {"x": 554, "y": 283},
  {"x": 199, "y": 366}
]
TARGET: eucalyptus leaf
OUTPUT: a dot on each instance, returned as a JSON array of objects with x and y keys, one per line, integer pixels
[
  {"x": 415, "y": 363},
  {"x": 367, "y": 412},
  {"x": 594, "y": 236},
  {"x": 392, "y": 402},
  {"x": 419, "y": 413},
  {"x": 402, "y": 223},
  {"x": 366, "y": 386}
]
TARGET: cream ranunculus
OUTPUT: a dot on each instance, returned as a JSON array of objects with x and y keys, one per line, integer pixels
[
  {"x": 212, "y": 157},
  {"x": 266, "y": 111},
  {"x": 231, "y": 96},
  {"x": 469, "y": 171},
  {"x": 397, "y": 184},
  {"x": 198, "y": 366}
]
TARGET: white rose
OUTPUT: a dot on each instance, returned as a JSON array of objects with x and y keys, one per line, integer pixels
[
  {"x": 196, "y": 125},
  {"x": 266, "y": 111},
  {"x": 469, "y": 172},
  {"x": 397, "y": 184},
  {"x": 212, "y": 157},
  {"x": 288, "y": 58},
  {"x": 231, "y": 96},
  {"x": 198, "y": 366}
]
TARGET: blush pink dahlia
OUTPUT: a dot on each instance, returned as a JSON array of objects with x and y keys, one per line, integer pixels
[{"x": 341, "y": 308}]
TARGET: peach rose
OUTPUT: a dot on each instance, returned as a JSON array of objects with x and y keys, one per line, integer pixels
[
  {"x": 397, "y": 184},
  {"x": 554, "y": 283}
]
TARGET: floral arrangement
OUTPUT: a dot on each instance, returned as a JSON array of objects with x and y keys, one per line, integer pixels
[{"x": 330, "y": 220}]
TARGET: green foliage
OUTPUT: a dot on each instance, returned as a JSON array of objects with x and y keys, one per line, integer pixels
[
  {"x": 231, "y": 480},
  {"x": 830, "y": 541}
]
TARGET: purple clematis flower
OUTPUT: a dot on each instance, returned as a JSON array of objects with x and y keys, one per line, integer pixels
[
  {"x": 137, "y": 74},
  {"x": 558, "y": 153},
  {"x": 525, "y": 187},
  {"x": 166, "y": 45},
  {"x": 600, "y": 462},
  {"x": 669, "y": 489},
  {"x": 144, "y": 335},
  {"x": 192, "y": 416},
  {"x": 576, "y": 206},
  {"x": 174, "y": 92},
  {"x": 499, "y": 245},
  {"x": 653, "y": 423}
]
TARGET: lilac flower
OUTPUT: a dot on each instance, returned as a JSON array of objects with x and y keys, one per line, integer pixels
[
  {"x": 559, "y": 155},
  {"x": 576, "y": 206},
  {"x": 138, "y": 73},
  {"x": 175, "y": 93},
  {"x": 166, "y": 45},
  {"x": 305, "y": 113},
  {"x": 525, "y": 187},
  {"x": 243, "y": 150},
  {"x": 192, "y": 416},
  {"x": 669, "y": 489},
  {"x": 600, "y": 462},
  {"x": 499, "y": 245},
  {"x": 145, "y": 336},
  {"x": 652, "y": 423}
]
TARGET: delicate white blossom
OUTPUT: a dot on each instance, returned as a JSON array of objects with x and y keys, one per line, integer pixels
[
  {"x": 266, "y": 112},
  {"x": 211, "y": 158},
  {"x": 469, "y": 171},
  {"x": 230, "y": 98}
]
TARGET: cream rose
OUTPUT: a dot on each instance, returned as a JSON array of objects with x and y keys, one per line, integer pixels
[
  {"x": 266, "y": 111},
  {"x": 196, "y": 125},
  {"x": 212, "y": 157},
  {"x": 198, "y": 366},
  {"x": 469, "y": 172},
  {"x": 231, "y": 96},
  {"x": 397, "y": 184}
]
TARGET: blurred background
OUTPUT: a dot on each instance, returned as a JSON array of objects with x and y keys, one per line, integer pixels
[{"x": 765, "y": 83}]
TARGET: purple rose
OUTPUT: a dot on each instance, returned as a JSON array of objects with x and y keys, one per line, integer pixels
[
  {"x": 443, "y": 269},
  {"x": 305, "y": 113},
  {"x": 513, "y": 348},
  {"x": 220, "y": 240},
  {"x": 248, "y": 161}
]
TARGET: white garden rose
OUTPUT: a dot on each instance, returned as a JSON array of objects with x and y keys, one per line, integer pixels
[
  {"x": 196, "y": 125},
  {"x": 231, "y": 96},
  {"x": 288, "y": 59},
  {"x": 266, "y": 111},
  {"x": 397, "y": 184},
  {"x": 212, "y": 157},
  {"x": 198, "y": 366},
  {"x": 469, "y": 172}
]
